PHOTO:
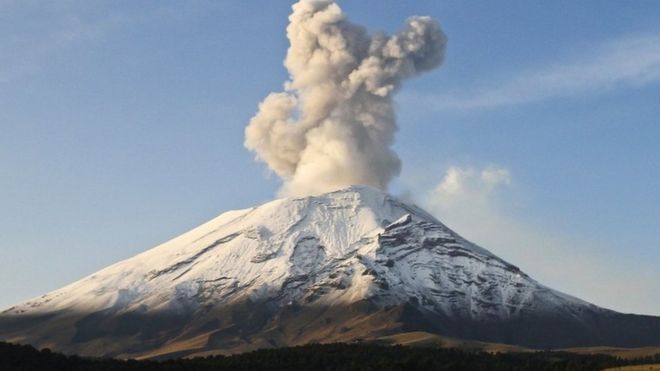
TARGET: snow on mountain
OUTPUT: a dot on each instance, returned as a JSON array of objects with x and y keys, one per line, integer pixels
[
  {"x": 350, "y": 265},
  {"x": 354, "y": 244}
]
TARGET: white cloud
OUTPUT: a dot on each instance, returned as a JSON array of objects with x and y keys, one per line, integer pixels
[
  {"x": 477, "y": 204},
  {"x": 627, "y": 62},
  {"x": 462, "y": 186}
]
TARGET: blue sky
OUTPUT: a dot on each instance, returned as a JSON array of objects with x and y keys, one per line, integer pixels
[{"x": 121, "y": 126}]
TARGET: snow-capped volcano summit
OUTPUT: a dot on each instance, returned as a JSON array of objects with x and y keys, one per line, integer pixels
[
  {"x": 354, "y": 263},
  {"x": 338, "y": 248}
]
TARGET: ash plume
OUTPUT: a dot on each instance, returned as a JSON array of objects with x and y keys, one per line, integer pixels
[{"x": 334, "y": 123}]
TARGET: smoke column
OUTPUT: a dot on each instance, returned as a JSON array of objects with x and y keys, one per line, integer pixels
[{"x": 334, "y": 123}]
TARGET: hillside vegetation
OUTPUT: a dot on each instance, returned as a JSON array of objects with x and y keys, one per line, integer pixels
[{"x": 322, "y": 357}]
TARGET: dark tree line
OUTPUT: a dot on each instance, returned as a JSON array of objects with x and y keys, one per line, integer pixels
[{"x": 321, "y": 357}]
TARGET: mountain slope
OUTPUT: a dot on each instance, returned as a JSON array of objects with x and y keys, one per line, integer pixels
[{"x": 351, "y": 264}]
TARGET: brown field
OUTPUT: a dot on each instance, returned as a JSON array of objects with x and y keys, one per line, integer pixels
[
  {"x": 655, "y": 367},
  {"x": 198, "y": 346},
  {"x": 626, "y": 353},
  {"x": 431, "y": 340},
  {"x": 425, "y": 339}
]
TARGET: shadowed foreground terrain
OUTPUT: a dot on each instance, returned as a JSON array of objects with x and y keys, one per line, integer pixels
[{"x": 323, "y": 357}]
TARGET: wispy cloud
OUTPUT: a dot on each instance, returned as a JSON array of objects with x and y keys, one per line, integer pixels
[
  {"x": 34, "y": 32},
  {"x": 45, "y": 30},
  {"x": 623, "y": 63},
  {"x": 476, "y": 203}
]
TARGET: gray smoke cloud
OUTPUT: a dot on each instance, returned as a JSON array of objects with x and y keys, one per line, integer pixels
[{"x": 334, "y": 123}]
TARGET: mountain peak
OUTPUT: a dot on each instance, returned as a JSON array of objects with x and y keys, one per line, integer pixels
[
  {"x": 352, "y": 244},
  {"x": 357, "y": 247}
]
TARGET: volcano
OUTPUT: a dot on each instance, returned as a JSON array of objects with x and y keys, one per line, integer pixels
[{"x": 352, "y": 265}]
